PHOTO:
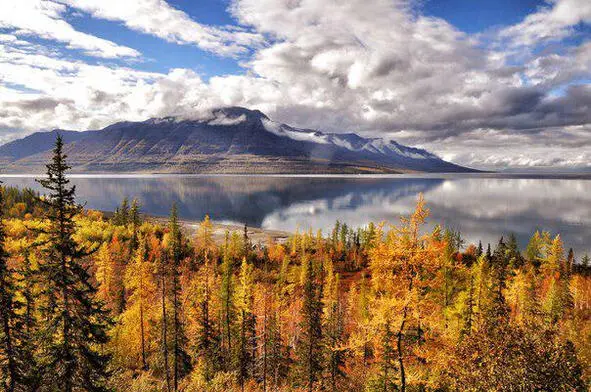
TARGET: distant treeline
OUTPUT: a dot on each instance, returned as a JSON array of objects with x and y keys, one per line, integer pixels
[{"x": 127, "y": 304}]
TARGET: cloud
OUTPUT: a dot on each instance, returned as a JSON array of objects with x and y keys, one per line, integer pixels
[
  {"x": 550, "y": 23},
  {"x": 158, "y": 18},
  {"x": 44, "y": 19},
  {"x": 375, "y": 67}
]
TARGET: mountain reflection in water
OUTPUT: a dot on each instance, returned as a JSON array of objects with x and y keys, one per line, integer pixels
[{"x": 480, "y": 207}]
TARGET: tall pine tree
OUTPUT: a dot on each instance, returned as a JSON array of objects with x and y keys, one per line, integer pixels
[
  {"x": 181, "y": 361},
  {"x": 16, "y": 356},
  {"x": 75, "y": 323},
  {"x": 310, "y": 345}
]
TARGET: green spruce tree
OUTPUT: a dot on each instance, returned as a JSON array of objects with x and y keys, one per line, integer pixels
[
  {"x": 17, "y": 364},
  {"x": 310, "y": 346},
  {"x": 75, "y": 325}
]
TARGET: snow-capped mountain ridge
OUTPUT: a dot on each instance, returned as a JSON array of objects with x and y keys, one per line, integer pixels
[
  {"x": 373, "y": 145},
  {"x": 226, "y": 140}
]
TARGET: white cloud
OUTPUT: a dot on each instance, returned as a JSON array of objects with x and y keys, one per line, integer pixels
[
  {"x": 549, "y": 23},
  {"x": 156, "y": 17},
  {"x": 44, "y": 19},
  {"x": 374, "y": 67}
]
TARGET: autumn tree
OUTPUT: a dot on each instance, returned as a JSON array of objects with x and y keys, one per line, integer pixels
[
  {"x": 246, "y": 344},
  {"x": 137, "y": 322},
  {"x": 404, "y": 266}
]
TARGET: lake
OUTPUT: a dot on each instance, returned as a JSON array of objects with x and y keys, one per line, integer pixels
[{"x": 481, "y": 206}]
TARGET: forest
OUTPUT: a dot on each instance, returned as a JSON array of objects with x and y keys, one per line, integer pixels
[{"x": 124, "y": 303}]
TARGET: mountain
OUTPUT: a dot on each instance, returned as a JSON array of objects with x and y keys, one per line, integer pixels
[
  {"x": 36, "y": 143},
  {"x": 231, "y": 140}
]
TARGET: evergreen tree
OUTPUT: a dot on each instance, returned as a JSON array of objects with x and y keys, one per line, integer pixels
[
  {"x": 135, "y": 221},
  {"x": 17, "y": 363},
  {"x": 334, "y": 329},
  {"x": 227, "y": 305},
  {"x": 121, "y": 215},
  {"x": 246, "y": 243},
  {"x": 515, "y": 258},
  {"x": 388, "y": 359},
  {"x": 75, "y": 323},
  {"x": 181, "y": 361},
  {"x": 208, "y": 340},
  {"x": 310, "y": 346},
  {"x": 497, "y": 312},
  {"x": 480, "y": 250},
  {"x": 570, "y": 262}
]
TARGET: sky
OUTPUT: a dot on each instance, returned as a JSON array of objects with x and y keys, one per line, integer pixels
[{"x": 487, "y": 84}]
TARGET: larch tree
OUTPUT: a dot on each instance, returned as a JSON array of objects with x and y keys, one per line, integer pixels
[
  {"x": 75, "y": 321},
  {"x": 105, "y": 276},
  {"x": 556, "y": 299},
  {"x": 246, "y": 345},
  {"x": 139, "y": 316},
  {"x": 227, "y": 305},
  {"x": 404, "y": 264}
]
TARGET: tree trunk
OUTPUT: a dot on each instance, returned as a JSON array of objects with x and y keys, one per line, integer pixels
[
  {"x": 8, "y": 341},
  {"x": 176, "y": 334},
  {"x": 165, "y": 336}
]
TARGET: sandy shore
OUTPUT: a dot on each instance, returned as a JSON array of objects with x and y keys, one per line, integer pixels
[{"x": 256, "y": 235}]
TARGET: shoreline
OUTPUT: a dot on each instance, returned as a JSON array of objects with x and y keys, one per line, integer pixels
[{"x": 257, "y": 235}]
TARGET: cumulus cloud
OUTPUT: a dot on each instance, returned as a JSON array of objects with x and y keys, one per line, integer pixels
[
  {"x": 44, "y": 19},
  {"x": 156, "y": 17},
  {"x": 550, "y": 23},
  {"x": 376, "y": 67}
]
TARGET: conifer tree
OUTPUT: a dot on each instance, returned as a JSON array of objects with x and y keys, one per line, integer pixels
[
  {"x": 208, "y": 340},
  {"x": 227, "y": 304},
  {"x": 181, "y": 361},
  {"x": 310, "y": 345},
  {"x": 533, "y": 251},
  {"x": 135, "y": 221},
  {"x": 246, "y": 345},
  {"x": 468, "y": 316},
  {"x": 106, "y": 276},
  {"x": 334, "y": 329},
  {"x": 246, "y": 243},
  {"x": 554, "y": 267},
  {"x": 497, "y": 312},
  {"x": 138, "y": 317},
  {"x": 75, "y": 322},
  {"x": 16, "y": 358},
  {"x": 480, "y": 250},
  {"x": 513, "y": 254},
  {"x": 388, "y": 358}
]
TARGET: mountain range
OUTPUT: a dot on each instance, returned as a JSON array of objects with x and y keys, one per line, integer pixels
[{"x": 232, "y": 140}]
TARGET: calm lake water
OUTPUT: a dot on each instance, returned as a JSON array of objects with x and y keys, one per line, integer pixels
[{"x": 480, "y": 206}]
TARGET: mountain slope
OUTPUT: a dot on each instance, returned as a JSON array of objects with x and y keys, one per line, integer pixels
[
  {"x": 232, "y": 140},
  {"x": 36, "y": 143}
]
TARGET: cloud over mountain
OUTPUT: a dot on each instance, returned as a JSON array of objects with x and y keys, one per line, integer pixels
[{"x": 517, "y": 95}]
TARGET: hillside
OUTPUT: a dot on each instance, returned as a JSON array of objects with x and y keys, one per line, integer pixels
[{"x": 232, "y": 140}]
